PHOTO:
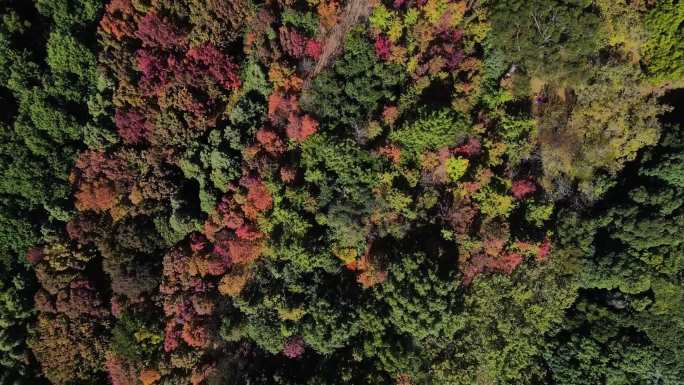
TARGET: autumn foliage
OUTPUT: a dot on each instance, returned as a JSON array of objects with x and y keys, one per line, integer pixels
[{"x": 323, "y": 192}]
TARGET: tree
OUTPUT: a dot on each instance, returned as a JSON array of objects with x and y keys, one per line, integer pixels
[
  {"x": 663, "y": 51},
  {"x": 630, "y": 274},
  {"x": 551, "y": 40}
]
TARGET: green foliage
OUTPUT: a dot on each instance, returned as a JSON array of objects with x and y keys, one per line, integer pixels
[
  {"x": 68, "y": 59},
  {"x": 494, "y": 203},
  {"x": 588, "y": 131},
  {"x": 664, "y": 49},
  {"x": 430, "y": 131},
  {"x": 15, "y": 314},
  {"x": 344, "y": 97},
  {"x": 132, "y": 339},
  {"x": 456, "y": 168},
  {"x": 506, "y": 318},
  {"x": 422, "y": 300},
  {"x": 213, "y": 165},
  {"x": 266, "y": 213},
  {"x": 537, "y": 213},
  {"x": 68, "y": 14},
  {"x": 631, "y": 276},
  {"x": 306, "y": 21},
  {"x": 552, "y": 40}
]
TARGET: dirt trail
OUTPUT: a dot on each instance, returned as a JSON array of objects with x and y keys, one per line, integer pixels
[{"x": 354, "y": 12}]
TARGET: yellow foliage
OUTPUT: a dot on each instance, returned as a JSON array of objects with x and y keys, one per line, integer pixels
[
  {"x": 346, "y": 254},
  {"x": 232, "y": 283},
  {"x": 623, "y": 26},
  {"x": 293, "y": 314},
  {"x": 610, "y": 121}
]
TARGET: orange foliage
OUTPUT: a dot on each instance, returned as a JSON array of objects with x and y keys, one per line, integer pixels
[
  {"x": 204, "y": 265},
  {"x": 284, "y": 78},
  {"x": 287, "y": 174},
  {"x": 244, "y": 251},
  {"x": 493, "y": 246},
  {"x": 98, "y": 196},
  {"x": 270, "y": 141},
  {"x": 403, "y": 379},
  {"x": 392, "y": 152},
  {"x": 232, "y": 283},
  {"x": 149, "y": 376},
  {"x": 195, "y": 334},
  {"x": 300, "y": 128},
  {"x": 124, "y": 23},
  {"x": 390, "y": 114},
  {"x": 328, "y": 13},
  {"x": 370, "y": 271}
]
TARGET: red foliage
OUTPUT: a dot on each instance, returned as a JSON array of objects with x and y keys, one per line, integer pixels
[
  {"x": 544, "y": 250},
  {"x": 198, "y": 242},
  {"x": 507, "y": 263},
  {"x": 34, "y": 255},
  {"x": 453, "y": 56},
  {"x": 155, "y": 31},
  {"x": 470, "y": 148},
  {"x": 274, "y": 102},
  {"x": 248, "y": 233},
  {"x": 383, "y": 47},
  {"x": 294, "y": 347},
  {"x": 523, "y": 187},
  {"x": 220, "y": 249},
  {"x": 203, "y": 305},
  {"x": 282, "y": 108},
  {"x": 172, "y": 335},
  {"x": 155, "y": 71},
  {"x": 119, "y": 370},
  {"x": 78, "y": 301},
  {"x": 96, "y": 165},
  {"x": 299, "y": 129},
  {"x": 270, "y": 141},
  {"x": 485, "y": 263},
  {"x": 313, "y": 49},
  {"x": 117, "y": 305},
  {"x": 258, "y": 197},
  {"x": 292, "y": 42},
  {"x": 218, "y": 65},
  {"x": 132, "y": 126},
  {"x": 462, "y": 216}
]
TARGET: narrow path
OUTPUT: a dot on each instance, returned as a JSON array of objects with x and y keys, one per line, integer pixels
[{"x": 354, "y": 13}]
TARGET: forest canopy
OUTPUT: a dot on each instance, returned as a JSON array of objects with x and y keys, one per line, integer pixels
[{"x": 384, "y": 192}]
